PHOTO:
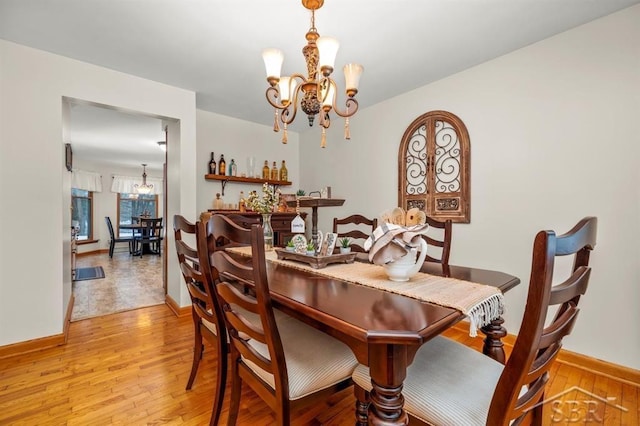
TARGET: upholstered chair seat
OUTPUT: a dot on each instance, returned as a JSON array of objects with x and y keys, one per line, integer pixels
[
  {"x": 315, "y": 360},
  {"x": 447, "y": 383}
]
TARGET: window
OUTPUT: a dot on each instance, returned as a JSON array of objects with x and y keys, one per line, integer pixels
[
  {"x": 434, "y": 167},
  {"x": 82, "y": 213},
  {"x": 131, "y": 205}
]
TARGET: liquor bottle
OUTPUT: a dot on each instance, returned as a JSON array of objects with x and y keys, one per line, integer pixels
[
  {"x": 265, "y": 170},
  {"x": 241, "y": 202},
  {"x": 284, "y": 173},
  {"x": 218, "y": 203},
  {"x": 233, "y": 168},
  {"x": 212, "y": 165},
  {"x": 274, "y": 172},
  {"x": 222, "y": 166}
]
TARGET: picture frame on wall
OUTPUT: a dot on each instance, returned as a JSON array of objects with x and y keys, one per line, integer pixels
[{"x": 68, "y": 156}]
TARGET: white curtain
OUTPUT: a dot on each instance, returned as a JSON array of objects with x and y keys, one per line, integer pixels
[
  {"x": 125, "y": 184},
  {"x": 87, "y": 181}
]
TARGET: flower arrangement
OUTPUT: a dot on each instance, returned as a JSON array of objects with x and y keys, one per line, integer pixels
[{"x": 265, "y": 203}]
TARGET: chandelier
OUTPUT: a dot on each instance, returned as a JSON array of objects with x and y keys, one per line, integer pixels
[
  {"x": 317, "y": 91},
  {"x": 144, "y": 188}
]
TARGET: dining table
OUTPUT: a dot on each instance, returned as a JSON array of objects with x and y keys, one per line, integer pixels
[
  {"x": 138, "y": 229},
  {"x": 383, "y": 329}
]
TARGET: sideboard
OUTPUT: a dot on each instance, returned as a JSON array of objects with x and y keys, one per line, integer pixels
[{"x": 280, "y": 222}]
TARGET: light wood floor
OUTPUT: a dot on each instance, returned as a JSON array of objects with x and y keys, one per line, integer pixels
[{"x": 131, "y": 368}]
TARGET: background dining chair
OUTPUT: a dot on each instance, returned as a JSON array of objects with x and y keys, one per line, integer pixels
[
  {"x": 243, "y": 222},
  {"x": 356, "y": 225},
  {"x": 208, "y": 322},
  {"x": 441, "y": 239},
  {"x": 449, "y": 383},
  {"x": 150, "y": 235},
  {"x": 113, "y": 240},
  {"x": 286, "y": 362}
]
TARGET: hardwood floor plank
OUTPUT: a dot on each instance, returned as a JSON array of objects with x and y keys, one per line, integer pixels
[{"x": 630, "y": 396}]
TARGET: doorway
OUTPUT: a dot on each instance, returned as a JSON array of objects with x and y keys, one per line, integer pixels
[{"x": 115, "y": 143}]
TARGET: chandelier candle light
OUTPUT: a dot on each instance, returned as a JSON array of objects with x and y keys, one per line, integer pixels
[
  {"x": 318, "y": 90},
  {"x": 144, "y": 188}
]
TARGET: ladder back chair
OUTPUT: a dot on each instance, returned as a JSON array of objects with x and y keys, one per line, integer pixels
[
  {"x": 113, "y": 240},
  {"x": 150, "y": 234},
  {"x": 357, "y": 224},
  {"x": 443, "y": 241},
  {"x": 449, "y": 383},
  {"x": 208, "y": 321},
  {"x": 286, "y": 362}
]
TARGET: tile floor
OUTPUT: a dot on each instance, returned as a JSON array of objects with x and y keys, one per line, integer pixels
[{"x": 129, "y": 283}]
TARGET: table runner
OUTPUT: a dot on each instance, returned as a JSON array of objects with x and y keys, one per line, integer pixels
[{"x": 480, "y": 303}]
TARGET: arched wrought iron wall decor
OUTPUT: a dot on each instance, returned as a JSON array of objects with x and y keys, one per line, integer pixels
[{"x": 434, "y": 167}]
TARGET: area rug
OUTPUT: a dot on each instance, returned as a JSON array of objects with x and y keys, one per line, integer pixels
[{"x": 90, "y": 273}]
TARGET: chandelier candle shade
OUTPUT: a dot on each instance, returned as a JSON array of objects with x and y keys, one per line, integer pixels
[
  {"x": 317, "y": 91},
  {"x": 144, "y": 188}
]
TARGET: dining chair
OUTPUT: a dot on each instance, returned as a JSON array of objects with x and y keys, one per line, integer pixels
[
  {"x": 286, "y": 362},
  {"x": 442, "y": 241},
  {"x": 113, "y": 240},
  {"x": 449, "y": 383},
  {"x": 150, "y": 235},
  {"x": 243, "y": 222},
  {"x": 357, "y": 224},
  {"x": 208, "y": 322}
]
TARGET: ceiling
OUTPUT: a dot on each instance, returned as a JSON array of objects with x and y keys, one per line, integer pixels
[
  {"x": 213, "y": 47},
  {"x": 116, "y": 138}
]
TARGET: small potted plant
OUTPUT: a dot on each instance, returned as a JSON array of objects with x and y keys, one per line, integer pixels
[
  {"x": 290, "y": 246},
  {"x": 311, "y": 251},
  {"x": 345, "y": 245}
]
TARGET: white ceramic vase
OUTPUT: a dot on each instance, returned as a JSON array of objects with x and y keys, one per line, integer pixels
[{"x": 407, "y": 266}]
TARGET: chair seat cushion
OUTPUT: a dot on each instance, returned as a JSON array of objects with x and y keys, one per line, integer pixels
[
  {"x": 315, "y": 360},
  {"x": 447, "y": 383}
]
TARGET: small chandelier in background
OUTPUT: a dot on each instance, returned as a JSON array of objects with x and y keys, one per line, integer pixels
[
  {"x": 318, "y": 90},
  {"x": 144, "y": 188}
]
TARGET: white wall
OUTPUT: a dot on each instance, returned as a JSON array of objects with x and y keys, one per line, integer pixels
[
  {"x": 238, "y": 139},
  {"x": 553, "y": 139},
  {"x": 34, "y": 215}
]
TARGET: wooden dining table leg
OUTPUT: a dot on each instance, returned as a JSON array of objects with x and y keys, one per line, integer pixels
[
  {"x": 493, "y": 346},
  {"x": 388, "y": 369}
]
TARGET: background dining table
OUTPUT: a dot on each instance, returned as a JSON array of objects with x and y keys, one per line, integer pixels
[
  {"x": 383, "y": 329},
  {"x": 137, "y": 229}
]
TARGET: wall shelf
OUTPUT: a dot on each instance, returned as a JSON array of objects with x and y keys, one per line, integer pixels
[{"x": 225, "y": 179}]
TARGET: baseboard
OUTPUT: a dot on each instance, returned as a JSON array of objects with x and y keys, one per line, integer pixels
[
  {"x": 32, "y": 345},
  {"x": 175, "y": 308},
  {"x": 87, "y": 253},
  {"x": 43, "y": 342},
  {"x": 604, "y": 368},
  {"x": 585, "y": 362}
]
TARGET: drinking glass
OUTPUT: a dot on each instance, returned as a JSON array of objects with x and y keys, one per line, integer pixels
[{"x": 251, "y": 167}]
